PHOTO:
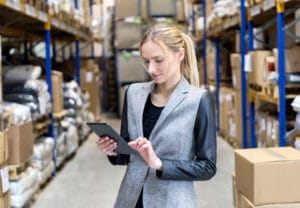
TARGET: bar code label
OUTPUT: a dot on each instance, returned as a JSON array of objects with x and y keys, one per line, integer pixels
[
  {"x": 30, "y": 10},
  {"x": 268, "y": 4},
  {"x": 43, "y": 16},
  {"x": 255, "y": 10},
  {"x": 15, "y": 4}
]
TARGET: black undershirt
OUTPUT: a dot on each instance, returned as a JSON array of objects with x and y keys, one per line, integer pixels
[{"x": 150, "y": 117}]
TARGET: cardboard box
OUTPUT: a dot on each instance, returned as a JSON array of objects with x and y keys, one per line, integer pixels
[
  {"x": 180, "y": 10},
  {"x": 5, "y": 200},
  {"x": 57, "y": 85},
  {"x": 128, "y": 33},
  {"x": 256, "y": 76},
  {"x": 20, "y": 143},
  {"x": 126, "y": 8},
  {"x": 268, "y": 175},
  {"x": 129, "y": 67},
  {"x": 158, "y": 8},
  {"x": 246, "y": 203},
  {"x": 292, "y": 60},
  {"x": 1, "y": 99},
  {"x": 91, "y": 82},
  {"x": 3, "y": 147}
]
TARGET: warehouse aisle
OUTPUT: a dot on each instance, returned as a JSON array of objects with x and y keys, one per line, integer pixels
[{"x": 89, "y": 181}]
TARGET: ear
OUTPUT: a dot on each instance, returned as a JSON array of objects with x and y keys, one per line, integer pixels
[{"x": 181, "y": 54}]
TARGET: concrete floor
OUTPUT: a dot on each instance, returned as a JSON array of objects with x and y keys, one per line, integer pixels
[{"x": 89, "y": 181}]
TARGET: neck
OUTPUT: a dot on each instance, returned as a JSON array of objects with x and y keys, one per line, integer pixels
[{"x": 168, "y": 87}]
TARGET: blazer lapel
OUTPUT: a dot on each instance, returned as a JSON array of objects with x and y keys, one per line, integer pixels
[
  {"x": 140, "y": 101},
  {"x": 176, "y": 98}
]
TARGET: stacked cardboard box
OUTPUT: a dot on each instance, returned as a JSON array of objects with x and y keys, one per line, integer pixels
[
  {"x": 91, "y": 82},
  {"x": 4, "y": 178},
  {"x": 20, "y": 142},
  {"x": 57, "y": 87},
  {"x": 267, "y": 177}
]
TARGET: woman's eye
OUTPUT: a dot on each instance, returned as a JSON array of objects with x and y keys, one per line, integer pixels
[{"x": 159, "y": 60}]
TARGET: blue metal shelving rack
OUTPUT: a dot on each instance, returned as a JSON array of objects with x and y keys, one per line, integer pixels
[
  {"x": 281, "y": 71},
  {"x": 204, "y": 43},
  {"x": 251, "y": 101},
  {"x": 217, "y": 47},
  {"x": 77, "y": 53},
  {"x": 243, "y": 74}
]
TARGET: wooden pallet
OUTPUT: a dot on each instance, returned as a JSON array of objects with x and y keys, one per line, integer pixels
[
  {"x": 15, "y": 171},
  {"x": 59, "y": 116},
  {"x": 41, "y": 128}
]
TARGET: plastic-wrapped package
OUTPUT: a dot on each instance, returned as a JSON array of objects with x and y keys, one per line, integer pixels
[
  {"x": 26, "y": 181},
  {"x": 60, "y": 149},
  {"x": 72, "y": 139},
  {"x": 21, "y": 113},
  {"x": 41, "y": 164},
  {"x": 72, "y": 90},
  {"x": 46, "y": 172},
  {"x": 43, "y": 147},
  {"x": 15, "y": 73},
  {"x": 18, "y": 201}
]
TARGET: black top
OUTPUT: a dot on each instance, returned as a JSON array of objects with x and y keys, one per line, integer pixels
[{"x": 150, "y": 116}]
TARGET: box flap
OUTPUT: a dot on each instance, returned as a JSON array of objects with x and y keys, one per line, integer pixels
[{"x": 269, "y": 154}]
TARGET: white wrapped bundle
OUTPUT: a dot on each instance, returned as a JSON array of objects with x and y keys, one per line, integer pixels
[
  {"x": 21, "y": 199},
  {"x": 43, "y": 148},
  {"x": 21, "y": 113},
  {"x": 41, "y": 164},
  {"x": 72, "y": 138},
  {"x": 27, "y": 180},
  {"x": 46, "y": 172},
  {"x": 61, "y": 149},
  {"x": 21, "y": 73}
]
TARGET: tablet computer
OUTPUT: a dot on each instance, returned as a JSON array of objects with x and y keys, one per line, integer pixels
[{"x": 105, "y": 129}]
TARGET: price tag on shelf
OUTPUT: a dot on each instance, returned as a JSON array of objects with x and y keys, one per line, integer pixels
[
  {"x": 43, "y": 16},
  {"x": 4, "y": 179},
  {"x": 63, "y": 26},
  {"x": 234, "y": 21},
  {"x": 255, "y": 10},
  {"x": 15, "y": 4},
  {"x": 30, "y": 10},
  {"x": 268, "y": 4},
  {"x": 226, "y": 25},
  {"x": 54, "y": 22}
]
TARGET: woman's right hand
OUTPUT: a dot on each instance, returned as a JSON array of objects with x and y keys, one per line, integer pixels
[{"x": 107, "y": 145}]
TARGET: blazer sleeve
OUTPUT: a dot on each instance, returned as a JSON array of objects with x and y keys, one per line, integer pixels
[
  {"x": 203, "y": 167},
  {"x": 122, "y": 159}
]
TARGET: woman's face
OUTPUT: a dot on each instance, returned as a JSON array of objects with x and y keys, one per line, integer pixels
[{"x": 162, "y": 65}]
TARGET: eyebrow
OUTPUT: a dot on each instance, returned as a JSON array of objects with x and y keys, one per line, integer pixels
[{"x": 155, "y": 57}]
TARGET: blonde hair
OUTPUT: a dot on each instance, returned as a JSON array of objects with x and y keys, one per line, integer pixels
[{"x": 171, "y": 37}]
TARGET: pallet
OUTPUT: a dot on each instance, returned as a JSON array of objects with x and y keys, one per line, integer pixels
[
  {"x": 41, "y": 128},
  {"x": 57, "y": 117},
  {"x": 15, "y": 171}
]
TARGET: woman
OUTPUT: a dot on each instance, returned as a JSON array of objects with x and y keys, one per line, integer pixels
[{"x": 170, "y": 122}]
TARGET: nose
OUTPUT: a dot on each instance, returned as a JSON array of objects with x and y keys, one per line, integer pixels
[{"x": 151, "y": 67}]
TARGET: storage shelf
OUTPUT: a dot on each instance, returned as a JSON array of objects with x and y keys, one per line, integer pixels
[
  {"x": 266, "y": 10},
  {"x": 16, "y": 17}
]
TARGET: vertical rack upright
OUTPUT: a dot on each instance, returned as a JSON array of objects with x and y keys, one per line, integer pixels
[
  {"x": 217, "y": 61},
  {"x": 251, "y": 100},
  {"x": 77, "y": 52},
  {"x": 281, "y": 71},
  {"x": 243, "y": 74}
]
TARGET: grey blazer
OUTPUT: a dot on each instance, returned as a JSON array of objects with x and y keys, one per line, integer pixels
[{"x": 184, "y": 138}]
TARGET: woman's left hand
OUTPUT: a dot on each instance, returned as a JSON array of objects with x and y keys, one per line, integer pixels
[{"x": 144, "y": 147}]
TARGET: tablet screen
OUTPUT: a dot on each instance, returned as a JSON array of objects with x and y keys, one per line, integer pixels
[{"x": 105, "y": 129}]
